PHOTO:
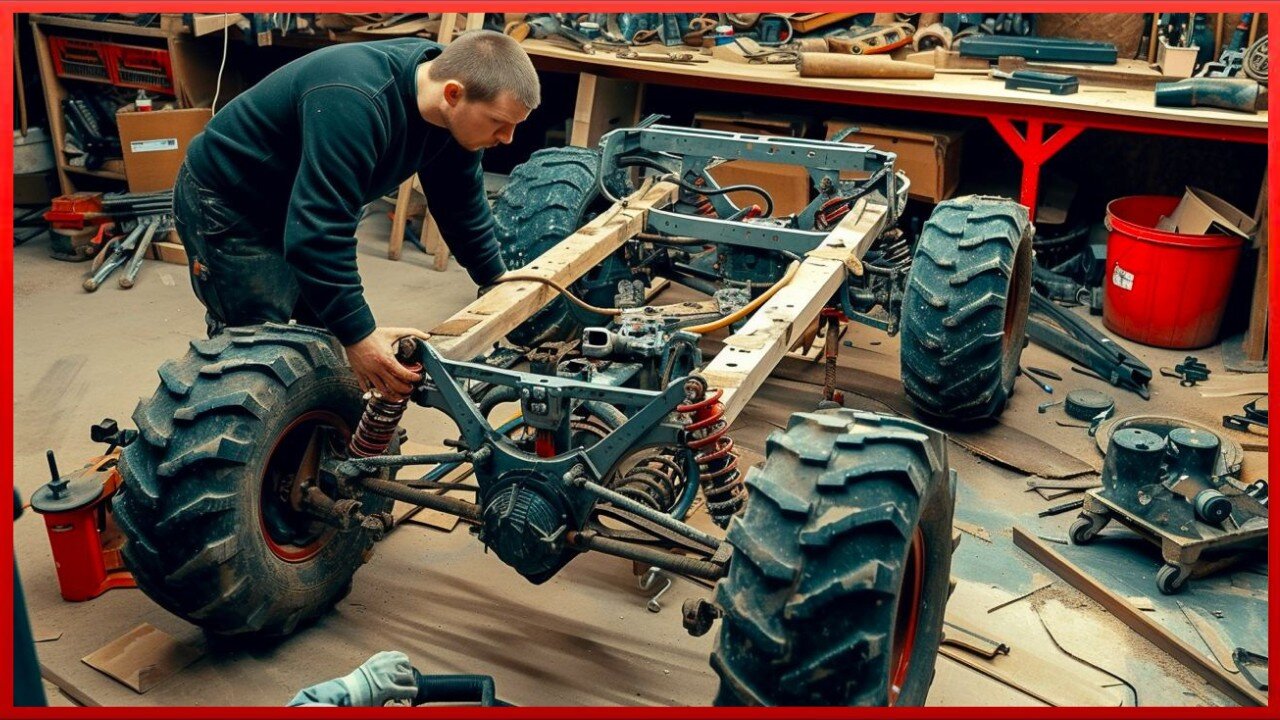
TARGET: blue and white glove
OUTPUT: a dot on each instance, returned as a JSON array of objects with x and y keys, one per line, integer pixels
[{"x": 385, "y": 676}]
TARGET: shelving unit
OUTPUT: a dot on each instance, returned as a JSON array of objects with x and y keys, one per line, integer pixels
[{"x": 193, "y": 77}]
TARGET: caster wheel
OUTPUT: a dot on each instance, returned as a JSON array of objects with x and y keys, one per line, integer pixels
[
  {"x": 1171, "y": 579},
  {"x": 1085, "y": 529}
]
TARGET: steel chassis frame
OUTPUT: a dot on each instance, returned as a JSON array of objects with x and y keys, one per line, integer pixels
[{"x": 748, "y": 357}]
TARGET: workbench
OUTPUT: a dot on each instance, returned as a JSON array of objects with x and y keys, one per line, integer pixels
[{"x": 968, "y": 95}]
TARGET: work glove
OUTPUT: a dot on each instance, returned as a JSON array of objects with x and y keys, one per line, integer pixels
[{"x": 385, "y": 676}]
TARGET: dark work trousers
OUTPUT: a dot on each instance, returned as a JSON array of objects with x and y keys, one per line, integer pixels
[{"x": 237, "y": 263}]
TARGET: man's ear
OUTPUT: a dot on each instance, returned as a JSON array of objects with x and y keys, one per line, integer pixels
[{"x": 454, "y": 91}]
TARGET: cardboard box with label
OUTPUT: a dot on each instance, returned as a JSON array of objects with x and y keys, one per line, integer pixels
[
  {"x": 154, "y": 144},
  {"x": 788, "y": 184},
  {"x": 930, "y": 158},
  {"x": 1200, "y": 212}
]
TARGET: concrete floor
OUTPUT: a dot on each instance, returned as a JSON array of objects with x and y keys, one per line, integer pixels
[{"x": 585, "y": 637}]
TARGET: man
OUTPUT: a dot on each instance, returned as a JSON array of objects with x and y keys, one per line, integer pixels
[{"x": 270, "y": 193}]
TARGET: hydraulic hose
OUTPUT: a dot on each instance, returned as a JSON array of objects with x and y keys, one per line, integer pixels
[{"x": 750, "y": 307}]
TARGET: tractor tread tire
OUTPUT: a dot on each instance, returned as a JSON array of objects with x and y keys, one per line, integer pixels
[
  {"x": 972, "y": 260},
  {"x": 188, "y": 502},
  {"x": 809, "y": 603},
  {"x": 546, "y": 199}
]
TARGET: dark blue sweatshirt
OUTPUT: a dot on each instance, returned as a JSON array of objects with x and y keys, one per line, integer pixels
[{"x": 310, "y": 145}]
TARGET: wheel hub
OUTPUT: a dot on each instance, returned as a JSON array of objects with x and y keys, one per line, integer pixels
[{"x": 291, "y": 533}]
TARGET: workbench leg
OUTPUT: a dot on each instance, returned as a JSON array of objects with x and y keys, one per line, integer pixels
[
  {"x": 448, "y": 23},
  {"x": 1033, "y": 150},
  {"x": 434, "y": 242},
  {"x": 603, "y": 104},
  {"x": 399, "y": 219},
  {"x": 1255, "y": 339}
]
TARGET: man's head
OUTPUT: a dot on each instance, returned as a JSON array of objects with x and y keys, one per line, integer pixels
[{"x": 480, "y": 87}]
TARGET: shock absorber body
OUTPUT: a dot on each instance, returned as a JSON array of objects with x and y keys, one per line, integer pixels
[
  {"x": 713, "y": 450},
  {"x": 382, "y": 413}
]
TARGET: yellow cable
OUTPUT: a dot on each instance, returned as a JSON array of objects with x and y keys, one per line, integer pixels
[
  {"x": 520, "y": 277},
  {"x": 749, "y": 307}
]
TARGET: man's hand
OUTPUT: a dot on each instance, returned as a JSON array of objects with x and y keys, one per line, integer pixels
[{"x": 373, "y": 360}]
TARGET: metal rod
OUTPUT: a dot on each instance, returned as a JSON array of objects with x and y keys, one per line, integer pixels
[
  {"x": 378, "y": 461},
  {"x": 622, "y": 501},
  {"x": 443, "y": 503},
  {"x": 679, "y": 564}
]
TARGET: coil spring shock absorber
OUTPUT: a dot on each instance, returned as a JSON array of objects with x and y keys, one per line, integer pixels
[
  {"x": 382, "y": 413},
  {"x": 713, "y": 450},
  {"x": 654, "y": 481}
]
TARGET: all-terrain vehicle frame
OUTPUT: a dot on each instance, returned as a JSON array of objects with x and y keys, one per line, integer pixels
[{"x": 261, "y": 476}]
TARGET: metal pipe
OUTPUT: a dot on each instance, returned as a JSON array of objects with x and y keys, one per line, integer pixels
[
  {"x": 378, "y": 461},
  {"x": 443, "y": 503},
  {"x": 679, "y": 564},
  {"x": 660, "y": 518}
]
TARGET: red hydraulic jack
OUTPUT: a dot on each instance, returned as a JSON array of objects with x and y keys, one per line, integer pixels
[{"x": 77, "y": 515}]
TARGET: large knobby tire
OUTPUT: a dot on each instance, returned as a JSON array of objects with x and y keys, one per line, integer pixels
[
  {"x": 545, "y": 200},
  {"x": 208, "y": 536},
  {"x": 841, "y": 566},
  {"x": 964, "y": 314}
]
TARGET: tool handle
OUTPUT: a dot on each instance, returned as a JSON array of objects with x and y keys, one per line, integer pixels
[
  {"x": 135, "y": 262},
  {"x": 835, "y": 65}
]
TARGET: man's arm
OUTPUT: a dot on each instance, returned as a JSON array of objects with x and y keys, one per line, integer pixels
[
  {"x": 341, "y": 131},
  {"x": 454, "y": 186}
]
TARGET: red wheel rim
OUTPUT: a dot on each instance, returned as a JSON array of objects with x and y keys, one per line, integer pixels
[
  {"x": 1017, "y": 301},
  {"x": 910, "y": 599},
  {"x": 286, "y": 454}
]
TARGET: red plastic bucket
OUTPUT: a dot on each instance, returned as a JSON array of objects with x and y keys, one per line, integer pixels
[{"x": 1164, "y": 289}]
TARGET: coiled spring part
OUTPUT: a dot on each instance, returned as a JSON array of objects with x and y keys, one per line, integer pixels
[
  {"x": 655, "y": 481},
  {"x": 378, "y": 424},
  {"x": 713, "y": 450}
]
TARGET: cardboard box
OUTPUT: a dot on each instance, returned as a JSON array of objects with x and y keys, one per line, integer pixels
[
  {"x": 788, "y": 185},
  {"x": 154, "y": 144},
  {"x": 930, "y": 158},
  {"x": 1202, "y": 213}
]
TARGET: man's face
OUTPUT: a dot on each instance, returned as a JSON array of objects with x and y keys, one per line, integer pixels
[{"x": 479, "y": 125}]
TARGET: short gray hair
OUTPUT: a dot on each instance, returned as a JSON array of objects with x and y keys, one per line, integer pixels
[{"x": 488, "y": 63}]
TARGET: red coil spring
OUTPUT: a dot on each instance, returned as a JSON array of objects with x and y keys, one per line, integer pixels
[
  {"x": 378, "y": 424},
  {"x": 717, "y": 462}
]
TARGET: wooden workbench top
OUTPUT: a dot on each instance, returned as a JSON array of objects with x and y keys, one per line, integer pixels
[{"x": 973, "y": 88}]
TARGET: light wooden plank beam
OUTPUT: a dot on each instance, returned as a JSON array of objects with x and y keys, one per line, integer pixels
[
  {"x": 602, "y": 104},
  {"x": 213, "y": 22},
  {"x": 448, "y": 23},
  {"x": 751, "y": 354},
  {"x": 487, "y": 320}
]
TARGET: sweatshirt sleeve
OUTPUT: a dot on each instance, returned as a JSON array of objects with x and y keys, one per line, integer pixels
[
  {"x": 454, "y": 186},
  {"x": 341, "y": 132}
]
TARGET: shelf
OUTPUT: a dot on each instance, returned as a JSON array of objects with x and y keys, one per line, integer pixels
[
  {"x": 108, "y": 174},
  {"x": 104, "y": 27}
]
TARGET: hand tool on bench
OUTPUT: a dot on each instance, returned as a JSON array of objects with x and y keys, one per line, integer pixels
[
  {"x": 1240, "y": 94},
  {"x": 1077, "y": 340},
  {"x": 1087, "y": 76},
  {"x": 835, "y": 65},
  {"x": 1054, "y": 83}
]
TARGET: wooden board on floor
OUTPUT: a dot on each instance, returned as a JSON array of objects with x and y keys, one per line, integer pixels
[{"x": 1235, "y": 687}]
